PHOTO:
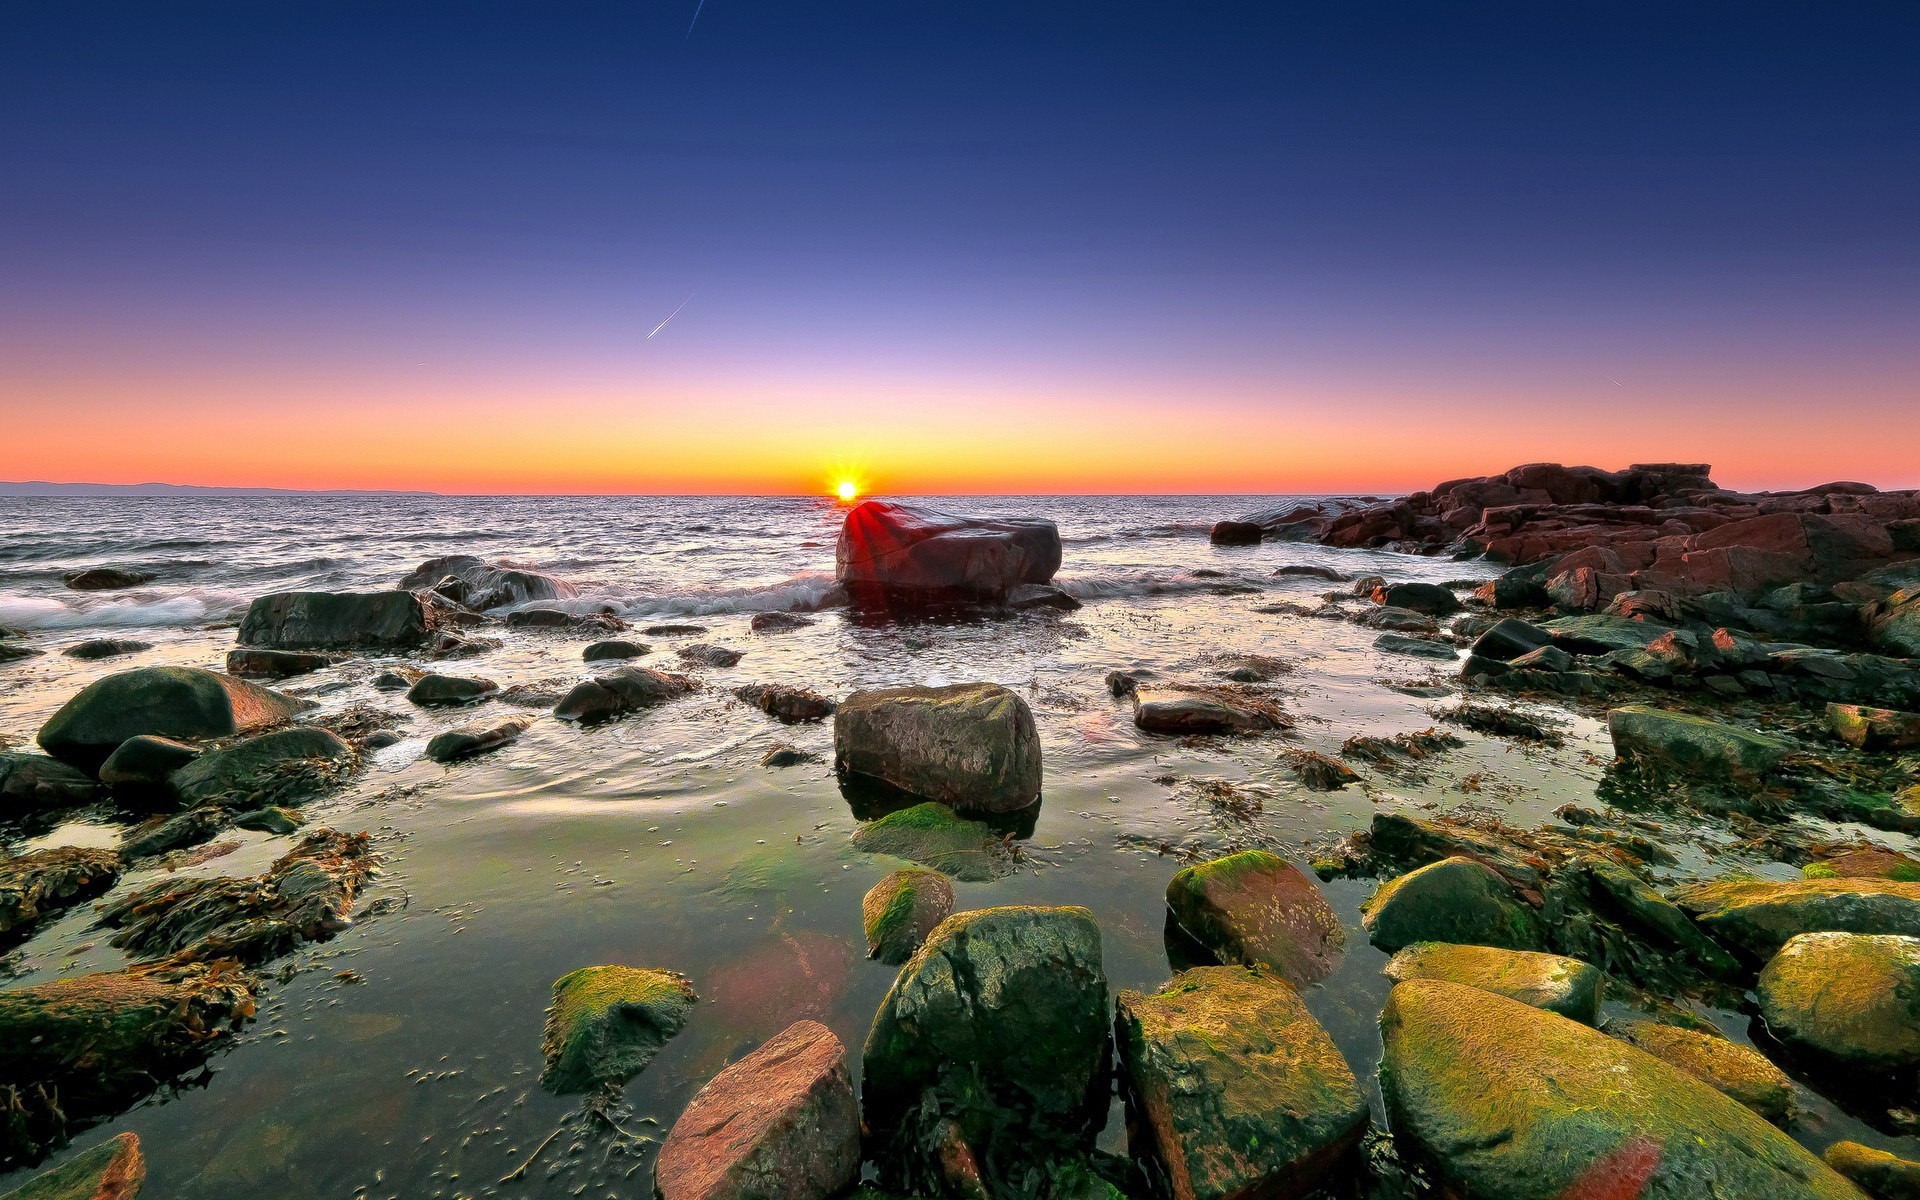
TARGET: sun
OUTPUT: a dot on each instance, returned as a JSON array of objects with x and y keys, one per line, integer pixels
[{"x": 847, "y": 490}]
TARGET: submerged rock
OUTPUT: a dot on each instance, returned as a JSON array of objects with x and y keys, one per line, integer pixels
[
  {"x": 97, "y": 648},
  {"x": 477, "y": 738},
  {"x": 789, "y": 704},
  {"x": 1164, "y": 710},
  {"x": 276, "y": 664},
  {"x": 931, "y": 834},
  {"x": 971, "y": 746},
  {"x": 1761, "y": 916},
  {"x": 614, "y": 648},
  {"x": 606, "y": 1024},
  {"x": 177, "y": 702},
  {"x": 164, "y": 835},
  {"x": 286, "y": 763},
  {"x": 106, "y": 579},
  {"x": 1418, "y": 647},
  {"x": 619, "y": 692},
  {"x": 431, "y": 690},
  {"x": 113, "y": 1170},
  {"x": 901, "y": 910},
  {"x": 1455, "y": 900},
  {"x": 1552, "y": 982},
  {"x": 395, "y": 620},
  {"x": 781, "y": 1122},
  {"x": 45, "y": 882},
  {"x": 1740, "y": 1071},
  {"x": 29, "y": 782},
  {"x": 1693, "y": 745},
  {"x": 778, "y": 622},
  {"x": 784, "y": 754},
  {"x": 1259, "y": 909},
  {"x": 477, "y": 584},
  {"x": 703, "y": 654},
  {"x": 1851, "y": 999},
  {"x": 1235, "y": 533},
  {"x": 892, "y": 554},
  {"x": 1884, "y": 1176},
  {"x": 1232, "y": 1088}
]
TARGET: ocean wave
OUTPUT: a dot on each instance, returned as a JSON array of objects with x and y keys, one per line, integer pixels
[
  {"x": 194, "y": 606},
  {"x": 807, "y": 592},
  {"x": 1176, "y": 529},
  {"x": 1108, "y": 585}
]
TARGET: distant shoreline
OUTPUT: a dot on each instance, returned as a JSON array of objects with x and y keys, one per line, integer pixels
[{"x": 38, "y": 490}]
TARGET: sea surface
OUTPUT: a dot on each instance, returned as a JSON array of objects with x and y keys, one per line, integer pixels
[{"x": 400, "y": 1059}]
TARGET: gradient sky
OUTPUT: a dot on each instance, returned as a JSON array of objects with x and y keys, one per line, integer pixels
[{"x": 955, "y": 245}]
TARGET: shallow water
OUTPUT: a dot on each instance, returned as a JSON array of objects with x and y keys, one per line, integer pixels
[{"x": 400, "y": 1059}]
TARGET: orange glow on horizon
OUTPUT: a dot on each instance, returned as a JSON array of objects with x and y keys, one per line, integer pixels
[{"x": 847, "y": 490}]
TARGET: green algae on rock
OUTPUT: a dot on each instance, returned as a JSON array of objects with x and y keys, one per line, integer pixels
[
  {"x": 970, "y": 746},
  {"x": 1884, "y": 1176},
  {"x": 1233, "y": 1088},
  {"x": 44, "y": 882},
  {"x": 1740, "y": 1071},
  {"x": 1694, "y": 746},
  {"x": 1256, "y": 907},
  {"x": 113, "y": 1170},
  {"x": 930, "y": 834},
  {"x": 1455, "y": 900},
  {"x": 1510, "y": 1102},
  {"x": 1852, "y": 999},
  {"x": 176, "y": 702},
  {"x": 1550, "y": 981},
  {"x": 901, "y": 910},
  {"x": 1760, "y": 916},
  {"x": 1867, "y": 728},
  {"x": 606, "y": 1023},
  {"x": 287, "y": 764}
]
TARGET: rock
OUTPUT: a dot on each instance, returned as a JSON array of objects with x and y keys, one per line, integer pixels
[
  {"x": 614, "y": 648},
  {"x": 1259, "y": 909},
  {"x": 470, "y": 581},
  {"x": 1549, "y": 981},
  {"x": 1163, "y": 710},
  {"x": 672, "y": 629},
  {"x": 106, "y": 579},
  {"x": 1414, "y": 745},
  {"x": 1397, "y": 643},
  {"x": 1694, "y": 745},
  {"x": 971, "y": 746},
  {"x": 1508, "y": 639},
  {"x": 1894, "y": 625},
  {"x": 145, "y": 761},
  {"x": 1039, "y": 595},
  {"x": 12, "y": 653},
  {"x": 29, "y": 782},
  {"x": 1320, "y": 772},
  {"x": 1397, "y": 620},
  {"x": 1507, "y": 1100},
  {"x": 113, "y": 1170},
  {"x": 177, "y": 702},
  {"x": 163, "y": 835},
  {"x": 1308, "y": 571},
  {"x": 606, "y": 1024},
  {"x": 280, "y": 821},
  {"x": 998, "y": 1025},
  {"x": 1761, "y": 916},
  {"x": 700, "y": 654},
  {"x": 626, "y": 690},
  {"x": 1866, "y": 728},
  {"x": 1868, "y": 863},
  {"x": 284, "y": 763},
  {"x": 891, "y": 554},
  {"x": 44, "y": 882},
  {"x": 778, "y": 622},
  {"x": 97, "y": 648},
  {"x": 1740, "y": 1071},
  {"x": 431, "y": 690},
  {"x": 901, "y": 910},
  {"x": 932, "y": 835},
  {"x": 1235, "y": 533},
  {"x": 1454, "y": 900},
  {"x": 1881, "y": 1175},
  {"x": 781, "y": 754},
  {"x": 396, "y": 681},
  {"x": 1496, "y": 721},
  {"x": 1232, "y": 1088},
  {"x": 276, "y": 664},
  {"x": 789, "y": 704},
  {"x": 780, "y": 1123},
  {"x": 1851, "y": 999},
  {"x": 338, "y": 621},
  {"x": 1428, "y": 598},
  {"x": 477, "y": 738}
]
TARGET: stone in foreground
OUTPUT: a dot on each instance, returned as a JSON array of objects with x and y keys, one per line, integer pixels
[
  {"x": 176, "y": 702},
  {"x": 338, "y": 621},
  {"x": 619, "y": 692},
  {"x": 1692, "y": 745},
  {"x": 897, "y": 554},
  {"x": 1760, "y": 916},
  {"x": 1163, "y": 710},
  {"x": 606, "y": 1024},
  {"x": 1557, "y": 984},
  {"x": 1851, "y": 999},
  {"x": 971, "y": 746},
  {"x": 1257, "y": 908},
  {"x": 1740, "y": 1071},
  {"x": 1455, "y": 900},
  {"x": 113, "y": 1170},
  {"x": 1510, "y": 1101},
  {"x": 1233, "y": 1089},
  {"x": 780, "y": 1124},
  {"x": 901, "y": 910}
]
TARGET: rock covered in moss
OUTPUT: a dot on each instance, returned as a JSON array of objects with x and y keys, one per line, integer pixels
[
  {"x": 1233, "y": 1089},
  {"x": 934, "y": 836},
  {"x": 1650, "y": 918},
  {"x": 971, "y": 746},
  {"x": 1693, "y": 745},
  {"x": 1454, "y": 900},
  {"x": 1870, "y": 862},
  {"x": 1165, "y": 710},
  {"x": 45, "y": 882},
  {"x": 1882, "y": 1175},
  {"x": 113, "y": 1170},
  {"x": 606, "y": 1024},
  {"x": 390, "y": 620},
  {"x": 270, "y": 820},
  {"x": 1257, "y": 908},
  {"x": 1740, "y": 1071},
  {"x": 901, "y": 910},
  {"x": 1852, "y": 999},
  {"x": 1510, "y": 1101},
  {"x": 162, "y": 835},
  {"x": 1760, "y": 916},
  {"x": 284, "y": 763},
  {"x": 32, "y": 782},
  {"x": 781, "y": 1122},
  {"x": 476, "y": 738},
  {"x": 1558, "y": 984},
  {"x": 1867, "y": 728},
  {"x": 619, "y": 692},
  {"x": 177, "y": 702},
  {"x": 146, "y": 761}
]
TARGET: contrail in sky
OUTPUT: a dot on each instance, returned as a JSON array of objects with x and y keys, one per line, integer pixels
[
  {"x": 673, "y": 314},
  {"x": 692, "y": 23}
]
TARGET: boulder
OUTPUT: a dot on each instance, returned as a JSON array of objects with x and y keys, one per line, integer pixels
[
  {"x": 1557, "y": 984},
  {"x": 1850, "y": 999},
  {"x": 98, "y": 648},
  {"x": 901, "y": 910},
  {"x": 789, "y": 704},
  {"x": 932, "y": 835},
  {"x": 41, "y": 883},
  {"x": 1506, "y": 1100},
  {"x": 176, "y": 702},
  {"x": 431, "y": 690},
  {"x": 891, "y": 554},
  {"x": 1871, "y": 862},
  {"x": 146, "y": 761},
  {"x": 1235, "y": 533},
  {"x": 339, "y": 621},
  {"x": 1740, "y": 1071},
  {"x": 701, "y": 654},
  {"x": 778, "y": 622},
  {"x": 1232, "y": 1088},
  {"x": 1397, "y": 620},
  {"x": 780, "y": 1123},
  {"x": 1894, "y": 624},
  {"x": 284, "y": 763},
  {"x": 1164, "y": 710},
  {"x": 1259, "y": 909},
  {"x": 1695, "y": 746},
  {"x": 971, "y": 746},
  {"x": 1428, "y": 598},
  {"x": 474, "y": 583},
  {"x": 606, "y": 1024},
  {"x": 276, "y": 664},
  {"x": 614, "y": 648},
  {"x": 1761, "y": 916},
  {"x": 30, "y": 782},
  {"x": 476, "y": 738},
  {"x": 1866, "y": 728},
  {"x": 1454, "y": 900},
  {"x": 113, "y": 1170},
  {"x": 106, "y": 579},
  {"x": 1881, "y": 1175},
  {"x": 619, "y": 692}
]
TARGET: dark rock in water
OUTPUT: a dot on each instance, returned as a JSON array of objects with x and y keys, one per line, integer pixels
[
  {"x": 1258, "y": 909},
  {"x": 396, "y": 681},
  {"x": 1235, "y": 533},
  {"x": 1232, "y": 1088},
  {"x": 1428, "y": 598},
  {"x": 1040, "y": 595},
  {"x": 1319, "y": 772},
  {"x": 1308, "y": 571},
  {"x": 431, "y": 690},
  {"x": 1508, "y": 639},
  {"x": 96, "y": 648},
  {"x": 178, "y": 702},
  {"x": 972, "y": 746},
  {"x": 1418, "y": 647},
  {"x": 306, "y": 896},
  {"x": 106, "y": 579},
  {"x": 1882, "y": 1175},
  {"x": 338, "y": 621},
  {"x": 1164, "y": 710},
  {"x": 44, "y": 882},
  {"x": 614, "y": 648},
  {"x": 932, "y": 835},
  {"x": 674, "y": 630},
  {"x": 606, "y": 1024},
  {"x": 554, "y": 618},
  {"x": 780, "y": 754},
  {"x": 113, "y": 1170},
  {"x": 892, "y": 554},
  {"x": 380, "y": 739},
  {"x": 1500, "y": 722},
  {"x": 1850, "y": 999},
  {"x": 1694, "y": 745},
  {"x": 1761, "y": 916},
  {"x": 617, "y": 693},
  {"x": 177, "y": 832},
  {"x": 276, "y": 664},
  {"x": 29, "y": 782},
  {"x": 789, "y": 704},
  {"x": 1740, "y": 1071},
  {"x": 73, "y": 1051},
  {"x": 289, "y": 763},
  {"x": 477, "y": 738},
  {"x": 781, "y": 1122},
  {"x": 778, "y": 622},
  {"x": 1504, "y": 1099},
  {"x": 700, "y": 654},
  {"x": 1397, "y": 620},
  {"x": 997, "y": 1028},
  {"x": 12, "y": 653},
  {"x": 1389, "y": 751},
  {"x": 477, "y": 584},
  {"x": 901, "y": 910},
  {"x": 280, "y": 821},
  {"x": 1454, "y": 900},
  {"x": 1866, "y": 728},
  {"x": 1127, "y": 683},
  {"x": 1550, "y": 981}
]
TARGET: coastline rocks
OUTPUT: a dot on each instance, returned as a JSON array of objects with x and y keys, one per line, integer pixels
[
  {"x": 780, "y": 1123},
  {"x": 98, "y": 648},
  {"x": 145, "y": 761},
  {"x": 477, "y": 738},
  {"x": 261, "y": 769},
  {"x": 44, "y": 882},
  {"x": 1454, "y": 900},
  {"x": 1884, "y": 1176},
  {"x": 1866, "y": 728},
  {"x": 1258, "y": 909},
  {"x": 1232, "y": 1088},
  {"x": 275, "y": 664},
  {"x": 1693, "y": 745},
  {"x": 614, "y": 648},
  {"x": 1551, "y": 982},
  {"x": 901, "y": 910},
  {"x": 997, "y": 1029},
  {"x": 1164, "y": 710},
  {"x": 113, "y": 1170},
  {"x": 106, "y": 579},
  {"x": 476, "y": 584},
  {"x": 35, "y": 781},
  {"x": 971, "y": 746},
  {"x": 1235, "y": 533},
  {"x": 1508, "y": 1100},
  {"x": 896, "y": 554},
  {"x": 338, "y": 621},
  {"x": 606, "y": 1024},
  {"x": 430, "y": 690},
  {"x": 177, "y": 702},
  {"x": 1428, "y": 598},
  {"x": 791, "y": 705},
  {"x": 623, "y": 691},
  {"x": 930, "y": 834},
  {"x": 702, "y": 654},
  {"x": 1851, "y": 999},
  {"x": 1761, "y": 916},
  {"x": 1740, "y": 1071},
  {"x": 1508, "y": 639},
  {"x": 1418, "y": 647}
]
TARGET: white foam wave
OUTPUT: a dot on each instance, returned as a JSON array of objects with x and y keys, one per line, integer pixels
[
  {"x": 194, "y": 606},
  {"x": 1107, "y": 585}
]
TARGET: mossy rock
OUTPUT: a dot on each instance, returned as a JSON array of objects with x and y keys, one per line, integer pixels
[
  {"x": 1870, "y": 862},
  {"x": 287, "y": 763},
  {"x": 113, "y": 1170},
  {"x": 1510, "y": 1102},
  {"x": 1233, "y": 1089},
  {"x": 1851, "y": 999},
  {"x": 1884, "y": 1176},
  {"x": 901, "y": 910},
  {"x": 606, "y": 1024},
  {"x": 1257, "y": 908},
  {"x": 1740, "y": 1071},
  {"x": 932, "y": 835},
  {"x": 1558, "y": 984},
  {"x": 1694, "y": 746},
  {"x": 1760, "y": 916},
  {"x": 389, "y": 620},
  {"x": 175, "y": 702},
  {"x": 1456, "y": 900},
  {"x": 30, "y": 783},
  {"x": 971, "y": 746}
]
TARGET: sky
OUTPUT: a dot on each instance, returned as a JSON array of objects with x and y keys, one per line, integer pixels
[{"x": 955, "y": 245}]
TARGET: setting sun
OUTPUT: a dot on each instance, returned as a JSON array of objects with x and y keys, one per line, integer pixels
[{"x": 847, "y": 489}]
